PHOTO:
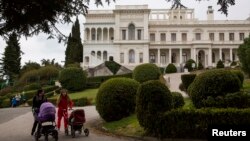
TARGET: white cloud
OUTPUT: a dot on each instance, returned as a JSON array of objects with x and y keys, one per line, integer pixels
[{"x": 38, "y": 47}]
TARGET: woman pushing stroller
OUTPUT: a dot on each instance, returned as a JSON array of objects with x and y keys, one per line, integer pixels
[{"x": 63, "y": 102}]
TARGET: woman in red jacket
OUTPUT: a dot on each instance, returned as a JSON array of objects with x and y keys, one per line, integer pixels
[{"x": 63, "y": 103}]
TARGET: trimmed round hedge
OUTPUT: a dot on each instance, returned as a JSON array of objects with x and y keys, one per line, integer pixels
[
  {"x": 152, "y": 98},
  {"x": 73, "y": 79},
  {"x": 146, "y": 72},
  {"x": 116, "y": 98},
  {"x": 178, "y": 100},
  {"x": 213, "y": 83},
  {"x": 240, "y": 75},
  {"x": 171, "y": 68},
  {"x": 189, "y": 63}
]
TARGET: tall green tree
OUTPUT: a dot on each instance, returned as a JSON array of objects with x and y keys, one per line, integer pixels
[
  {"x": 244, "y": 55},
  {"x": 12, "y": 58},
  {"x": 74, "y": 49}
]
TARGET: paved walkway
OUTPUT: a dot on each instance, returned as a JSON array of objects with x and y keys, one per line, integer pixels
[{"x": 174, "y": 80}]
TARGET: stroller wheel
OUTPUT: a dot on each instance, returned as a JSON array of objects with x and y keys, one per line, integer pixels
[
  {"x": 66, "y": 132},
  {"x": 86, "y": 132},
  {"x": 37, "y": 136},
  {"x": 73, "y": 132},
  {"x": 46, "y": 138},
  {"x": 55, "y": 135}
]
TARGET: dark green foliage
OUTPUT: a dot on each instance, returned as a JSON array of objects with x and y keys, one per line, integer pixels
[
  {"x": 187, "y": 79},
  {"x": 162, "y": 70},
  {"x": 32, "y": 86},
  {"x": 12, "y": 58},
  {"x": 178, "y": 100},
  {"x": 244, "y": 55},
  {"x": 234, "y": 100},
  {"x": 152, "y": 99},
  {"x": 74, "y": 50},
  {"x": 213, "y": 83},
  {"x": 181, "y": 87},
  {"x": 220, "y": 64},
  {"x": 81, "y": 102},
  {"x": 28, "y": 66},
  {"x": 189, "y": 63},
  {"x": 44, "y": 75},
  {"x": 233, "y": 63},
  {"x": 146, "y": 72},
  {"x": 95, "y": 82},
  {"x": 73, "y": 79},
  {"x": 74, "y": 65},
  {"x": 171, "y": 68},
  {"x": 240, "y": 75},
  {"x": 200, "y": 66},
  {"x": 116, "y": 98},
  {"x": 182, "y": 123},
  {"x": 112, "y": 66}
]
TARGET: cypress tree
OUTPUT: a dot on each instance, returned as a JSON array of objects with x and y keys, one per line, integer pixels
[
  {"x": 12, "y": 58},
  {"x": 74, "y": 50}
]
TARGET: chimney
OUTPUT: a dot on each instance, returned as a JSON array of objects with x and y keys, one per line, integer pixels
[{"x": 210, "y": 13}]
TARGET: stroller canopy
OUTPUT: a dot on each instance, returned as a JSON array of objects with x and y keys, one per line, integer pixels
[{"x": 47, "y": 112}]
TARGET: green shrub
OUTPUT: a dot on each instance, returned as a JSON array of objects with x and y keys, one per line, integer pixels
[
  {"x": 200, "y": 66},
  {"x": 196, "y": 123},
  {"x": 181, "y": 87},
  {"x": 178, "y": 100},
  {"x": 189, "y": 63},
  {"x": 213, "y": 83},
  {"x": 237, "y": 100},
  {"x": 240, "y": 75},
  {"x": 112, "y": 66},
  {"x": 162, "y": 70},
  {"x": 6, "y": 103},
  {"x": 220, "y": 64},
  {"x": 187, "y": 79},
  {"x": 152, "y": 99},
  {"x": 82, "y": 102},
  {"x": 73, "y": 79},
  {"x": 233, "y": 63},
  {"x": 146, "y": 72},
  {"x": 171, "y": 68},
  {"x": 116, "y": 98},
  {"x": 32, "y": 86}
]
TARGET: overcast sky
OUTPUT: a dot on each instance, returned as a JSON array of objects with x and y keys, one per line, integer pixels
[{"x": 38, "y": 47}]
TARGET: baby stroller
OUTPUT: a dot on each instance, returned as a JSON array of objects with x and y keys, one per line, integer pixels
[
  {"x": 76, "y": 122},
  {"x": 46, "y": 118}
]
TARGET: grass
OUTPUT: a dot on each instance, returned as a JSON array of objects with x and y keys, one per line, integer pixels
[
  {"x": 188, "y": 104},
  {"x": 246, "y": 84},
  {"x": 128, "y": 126},
  {"x": 88, "y": 93}
]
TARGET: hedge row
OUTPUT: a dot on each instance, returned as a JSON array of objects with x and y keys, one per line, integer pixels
[
  {"x": 187, "y": 79},
  {"x": 183, "y": 123}
]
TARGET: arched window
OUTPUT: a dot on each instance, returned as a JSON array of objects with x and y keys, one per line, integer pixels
[
  {"x": 131, "y": 56},
  {"x": 105, "y": 55},
  {"x": 131, "y": 32},
  {"x": 213, "y": 57}
]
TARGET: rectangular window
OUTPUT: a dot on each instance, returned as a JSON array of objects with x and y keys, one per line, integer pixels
[
  {"x": 197, "y": 36},
  {"x": 242, "y": 36},
  {"x": 231, "y": 36},
  {"x": 93, "y": 37},
  {"x": 139, "y": 34},
  {"x": 123, "y": 34},
  {"x": 184, "y": 36},
  {"x": 221, "y": 36},
  {"x": 141, "y": 57},
  {"x": 173, "y": 37},
  {"x": 211, "y": 36},
  {"x": 122, "y": 58},
  {"x": 163, "y": 37},
  {"x": 152, "y": 37}
]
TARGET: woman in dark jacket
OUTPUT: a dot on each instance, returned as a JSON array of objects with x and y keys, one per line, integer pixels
[{"x": 38, "y": 99}]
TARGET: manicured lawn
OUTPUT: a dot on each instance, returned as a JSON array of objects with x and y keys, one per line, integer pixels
[
  {"x": 126, "y": 126},
  {"x": 188, "y": 104},
  {"x": 246, "y": 84},
  {"x": 88, "y": 93}
]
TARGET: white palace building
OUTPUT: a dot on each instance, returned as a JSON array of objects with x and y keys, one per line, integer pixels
[{"x": 135, "y": 34}]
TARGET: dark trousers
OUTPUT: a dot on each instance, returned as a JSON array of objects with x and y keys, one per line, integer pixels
[{"x": 35, "y": 114}]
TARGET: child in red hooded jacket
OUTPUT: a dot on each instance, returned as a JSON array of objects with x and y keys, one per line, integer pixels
[{"x": 63, "y": 103}]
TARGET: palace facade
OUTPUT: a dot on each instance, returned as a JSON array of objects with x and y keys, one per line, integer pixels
[{"x": 134, "y": 34}]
